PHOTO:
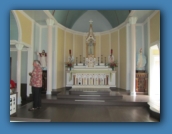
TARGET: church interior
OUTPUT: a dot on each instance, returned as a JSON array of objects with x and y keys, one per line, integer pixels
[{"x": 97, "y": 65}]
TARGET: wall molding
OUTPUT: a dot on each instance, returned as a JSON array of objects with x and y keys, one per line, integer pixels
[
  {"x": 40, "y": 39},
  {"x": 110, "y": 45},
  {"x": 15, "y": 49},
  {"x": 148, "y": 20},
  {"x": 100, "y": 41},
  {"x": 143, "y": 41},
  {"x": 64, "y": 84},
  {"x": 56, "y": 53},
  {"x": 73, "y": 45},
  {"x": 14, "y": 42},
  {"x": 156, "y": 11},
  {"x": 127, "y": 58},
  {"x": 118, "y": 59}
]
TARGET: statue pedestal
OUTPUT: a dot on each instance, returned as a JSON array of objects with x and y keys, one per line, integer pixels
[{"x": 140, "y": 71}]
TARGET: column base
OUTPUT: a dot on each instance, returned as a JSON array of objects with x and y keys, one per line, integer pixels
[
  {"x": 48, "y": 92},
  {"x": 132, "y": 93},
  {"x": 18, "y": 100}
]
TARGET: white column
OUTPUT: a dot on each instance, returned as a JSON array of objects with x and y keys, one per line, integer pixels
[
  {"x": 54, "y": 84},
  {"x": 133, "y": 21},
  {"x": 29, "y": 69},
  {"x": 19, "y": 48},
  {"x": 50, "y": 23}
]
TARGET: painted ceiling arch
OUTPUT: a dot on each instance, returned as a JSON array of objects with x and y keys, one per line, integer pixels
[{"x": 68, "y": 17}]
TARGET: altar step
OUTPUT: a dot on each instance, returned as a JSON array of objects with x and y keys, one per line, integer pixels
[
  {"x": 94, "y": 102},
  {"x": 90, "y": 97},
  {"x": 89, "y": 93},
  {"x": 103, "y": 92}
]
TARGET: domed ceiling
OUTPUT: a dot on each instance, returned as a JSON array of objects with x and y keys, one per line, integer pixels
[{"x": 68, "y": 17}]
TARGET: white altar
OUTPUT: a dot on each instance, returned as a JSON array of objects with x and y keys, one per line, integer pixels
[{"x": 91, "y": 77}]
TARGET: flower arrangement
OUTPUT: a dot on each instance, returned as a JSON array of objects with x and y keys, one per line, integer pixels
[
  {"x": 69, "y": 65},
  {"x": 113, "y": 65},
  {"x": 12, "y": 86}
]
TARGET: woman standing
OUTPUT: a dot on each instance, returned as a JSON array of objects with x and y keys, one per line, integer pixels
[{"x": 36, "y": 83}]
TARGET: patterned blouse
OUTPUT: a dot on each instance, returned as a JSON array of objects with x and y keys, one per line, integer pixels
[{"x": 36, "y": 77}]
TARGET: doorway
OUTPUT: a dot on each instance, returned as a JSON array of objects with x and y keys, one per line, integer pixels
[{"x": 154, "y": 88}]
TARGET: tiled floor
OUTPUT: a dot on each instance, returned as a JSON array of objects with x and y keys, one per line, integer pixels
[
  {"x": 87, "y": 113},
  {"x": 91, "y": 113}
]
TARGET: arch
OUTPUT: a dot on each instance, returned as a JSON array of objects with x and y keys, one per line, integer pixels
[{"x": 154, "y": 77}]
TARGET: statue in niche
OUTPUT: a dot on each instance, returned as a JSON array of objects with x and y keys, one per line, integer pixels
[
  {"x": 140, "y": 61},
  {"x": 91, "y": 48}
]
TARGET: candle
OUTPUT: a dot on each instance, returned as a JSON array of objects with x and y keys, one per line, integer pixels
[
  {"x": 69, "y": 51},
  {"x": 111, "y": 51}
]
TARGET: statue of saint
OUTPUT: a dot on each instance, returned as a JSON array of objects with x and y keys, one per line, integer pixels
[
  {"x": 90, "y": 48},
  {"x": 111, "y": 57},
  {"x": 140, "y": 61},
  {"x": 70, "y": 58},
  {"x": 42, "y": 57}
]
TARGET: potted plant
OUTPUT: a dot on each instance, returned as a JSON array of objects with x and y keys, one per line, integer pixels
[{"x": 113, "y": 65}]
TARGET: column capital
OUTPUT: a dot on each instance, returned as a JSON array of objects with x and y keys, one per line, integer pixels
[
  {"x": 132, "y": 20},
  {"x": 50, "y": 22},
  {"x": 19, "y": 46}
]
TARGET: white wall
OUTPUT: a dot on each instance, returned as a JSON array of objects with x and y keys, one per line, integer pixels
[
  {"x": 100, "y": 23},
  {"x": 44, "y": 39},
  {"x": 128, "y": 57},
  {"x": 139, "y": 39},
  {"x": 36, "y": 40},
  {"x": 13, "y": 55},
  {"x": 54, "y": 60},
  {"x": 146, "y": 50}
]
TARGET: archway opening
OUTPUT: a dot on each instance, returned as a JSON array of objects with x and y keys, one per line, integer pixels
[{"x": 154, "y": 90}]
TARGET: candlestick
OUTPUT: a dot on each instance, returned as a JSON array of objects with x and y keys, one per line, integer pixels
[
  {"x": 76, "y": 61},
  {"x": 98, "y": 61},
  {"x": 101, "y": 58},
  {"x": 105, "y": 61},
  {"x": 84, "y": 61},
  {"x": 80, "y": 58}
]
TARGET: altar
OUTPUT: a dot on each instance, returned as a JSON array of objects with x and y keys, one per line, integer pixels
[
  {"x": 91, "y": 73},
  {"x": 90, "y": 77}
]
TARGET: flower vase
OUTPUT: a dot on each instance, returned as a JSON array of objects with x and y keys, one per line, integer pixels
[{"x": 112, "y": 68}]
